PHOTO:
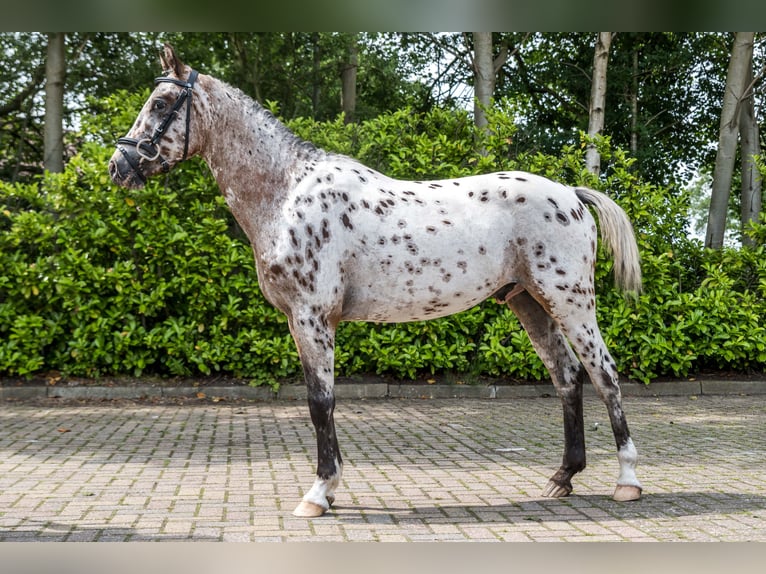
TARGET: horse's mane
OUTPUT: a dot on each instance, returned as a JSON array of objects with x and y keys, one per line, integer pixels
[{"x": 267, "y": 119}]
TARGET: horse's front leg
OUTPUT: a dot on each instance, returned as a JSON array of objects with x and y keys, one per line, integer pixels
[{"x": 315, "y": 338}]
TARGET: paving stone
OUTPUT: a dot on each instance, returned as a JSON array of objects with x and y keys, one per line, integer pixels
[{"x": 414, "y": 470}]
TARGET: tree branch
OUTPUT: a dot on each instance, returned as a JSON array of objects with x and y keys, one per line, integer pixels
[
  {"x": 749, "y": 89},
  {"x": 499, "y": 61},
  {"x": 15, "y": 104}
]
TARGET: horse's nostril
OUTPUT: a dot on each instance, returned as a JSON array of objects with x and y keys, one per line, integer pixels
[{"x": 113, "y": 171}]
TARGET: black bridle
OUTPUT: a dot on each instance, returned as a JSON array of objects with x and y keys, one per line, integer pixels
[{"x": 147, "y": 148}]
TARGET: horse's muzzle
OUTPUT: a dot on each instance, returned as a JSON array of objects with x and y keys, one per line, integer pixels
[{"x": 123, "y": 173}]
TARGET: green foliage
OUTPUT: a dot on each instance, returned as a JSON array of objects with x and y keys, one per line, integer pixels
[
  {"x": 402, "y": 144},
  {"x": 716, "y": 323},
  {"x": 95, "y": 280},
  {"x": 99, "y": 281},
  {"x": 663, "y": 98}
]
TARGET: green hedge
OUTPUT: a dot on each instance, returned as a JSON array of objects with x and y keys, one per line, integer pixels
[{"x": 96, "y": 280}]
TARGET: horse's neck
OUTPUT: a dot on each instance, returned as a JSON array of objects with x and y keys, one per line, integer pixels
[{"x": 255, "y": 159}]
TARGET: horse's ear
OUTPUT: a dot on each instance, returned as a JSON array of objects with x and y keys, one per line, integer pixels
[{"x": 170, "y": 62}]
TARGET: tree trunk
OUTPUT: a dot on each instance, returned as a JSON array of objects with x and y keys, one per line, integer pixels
[
  {"x": 597, "y": 99},
  {"x": 53, "y": 133},
  {"x": 751, "y": 146},
  {"x": 348, "y": 80},
  {"x": 484, "y": 76},
  {"x": 736, "y": 82},
  {"x": 485, "y": 70}
]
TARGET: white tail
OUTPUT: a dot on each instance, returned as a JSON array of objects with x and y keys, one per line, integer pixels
[{"x": 617, "y": 234}]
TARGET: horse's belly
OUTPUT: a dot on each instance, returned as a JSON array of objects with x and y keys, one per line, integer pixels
[{"x": 401, "y": 296}]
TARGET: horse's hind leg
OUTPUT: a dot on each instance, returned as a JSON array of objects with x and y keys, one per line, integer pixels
[
  {"x": 581, "y": 328},
  {"x": 315, "y": 339},
  {"x": 568, "y": 375}
]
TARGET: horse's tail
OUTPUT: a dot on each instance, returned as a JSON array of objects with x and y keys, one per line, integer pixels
[{"x": 617, "y": 234}]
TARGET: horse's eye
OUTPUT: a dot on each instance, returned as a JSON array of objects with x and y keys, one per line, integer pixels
[{"x": 160, "y": 105}]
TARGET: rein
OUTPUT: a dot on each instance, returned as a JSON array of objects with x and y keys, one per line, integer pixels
[{"x": 147, "y": 147}]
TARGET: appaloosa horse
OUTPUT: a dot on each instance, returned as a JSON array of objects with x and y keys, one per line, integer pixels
[{"x": 336, "y": 241}]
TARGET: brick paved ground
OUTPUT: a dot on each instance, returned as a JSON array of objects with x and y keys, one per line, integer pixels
[{"x": 415, "y": 470}]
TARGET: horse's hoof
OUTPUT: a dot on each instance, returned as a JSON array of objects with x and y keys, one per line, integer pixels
[
  {"x": 330, "y": 499},
  {"x": 626, "y": 492},
  {"x": 308, "y": 510},
  {"x": 555, "y": 490}
]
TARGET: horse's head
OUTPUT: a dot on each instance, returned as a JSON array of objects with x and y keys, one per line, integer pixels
[{"x": 162, "y": 134}]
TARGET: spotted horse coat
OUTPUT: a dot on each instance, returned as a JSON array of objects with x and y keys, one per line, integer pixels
[{"x": 337, "y": 241}]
